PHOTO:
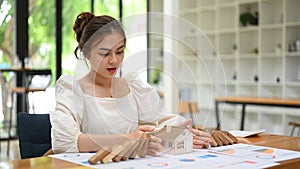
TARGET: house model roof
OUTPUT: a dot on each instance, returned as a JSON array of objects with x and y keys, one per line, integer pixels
[{"x": 170, "y": 131}]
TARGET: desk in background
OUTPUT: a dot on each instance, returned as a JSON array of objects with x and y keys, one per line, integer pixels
[
  {"x": 21, "y": 75},
  {"x": 275, "y": 141},
  {"x": 253, "y": 101}
]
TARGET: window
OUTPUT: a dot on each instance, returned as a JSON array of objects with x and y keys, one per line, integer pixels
[
  {"x": 180, "y": 145},
  {"x": 135, "y": 25},
  {"x": 6, "y": 33},
  {"x": 41, "y": 32},
  {"x": 69, "y": 13}
]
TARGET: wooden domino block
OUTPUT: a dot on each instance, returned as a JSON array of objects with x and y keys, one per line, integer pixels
[
  {"x": 222, "y": 138},
  {"x": 129, "y": 154},
  {"x": 213, "y": 142},
  {"x": 126, "y": 146},
  {"x": 135, "y": 150},
  {"x": 234, "y": 139},
  {"x": 227, "y": 138},
  {"x": 216, "y": 137},
  {"x": 115, "y": 150},
  {"x": 144, "y": 145},
  {"x": 129, "y": 149},
  {"x": 99, "y": 155}
]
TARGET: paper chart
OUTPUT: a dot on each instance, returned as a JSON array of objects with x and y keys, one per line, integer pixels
[
  {"x": 197, "y": 159},
  {"x": 257, "y": 152}
]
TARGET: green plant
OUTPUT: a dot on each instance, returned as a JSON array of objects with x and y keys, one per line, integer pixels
[
  {"x": 155, "y": 76},
  {"x": 247, "y": 18}
]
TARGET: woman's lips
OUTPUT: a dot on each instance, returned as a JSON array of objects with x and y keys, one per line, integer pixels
[{"x": 111, "y": 70}]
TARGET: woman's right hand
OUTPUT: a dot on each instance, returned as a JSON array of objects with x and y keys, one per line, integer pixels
[{"x": 154, "y": 144}]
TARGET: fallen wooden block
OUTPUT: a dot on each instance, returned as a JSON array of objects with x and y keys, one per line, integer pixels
[
  {"x": 234, "y": 139},
  {"x": 126, "y": 146},
  {"x": 213, "y": 143},
  {"x": 144, "y": 145},
  {"x": 220, "y": 138},
  {"x": 230, "y": 141},
  {"x": 134, "y": 152},
  {"x": 99, "y": 155},
  {"x": 115, "y": 150},
  {"x": 215, "y": 135},
  {"x": 130, "y": 153}
]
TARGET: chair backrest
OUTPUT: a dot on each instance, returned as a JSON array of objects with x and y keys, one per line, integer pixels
[
  {"x": 187, "y": 107},
  {"x": 34, "y": 134}
]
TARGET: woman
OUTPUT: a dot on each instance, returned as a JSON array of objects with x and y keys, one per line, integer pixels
[{"x": 101, "y": 109}]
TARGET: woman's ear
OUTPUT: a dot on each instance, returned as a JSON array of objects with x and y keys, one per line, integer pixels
[{"x": 86, "y": 54}]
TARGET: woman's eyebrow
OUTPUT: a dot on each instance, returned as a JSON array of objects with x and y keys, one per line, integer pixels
[
  {"x": 104, "y": 49},
  {"x": 110, "y": 49}
]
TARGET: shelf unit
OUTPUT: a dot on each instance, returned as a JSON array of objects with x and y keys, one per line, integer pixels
[{"x": 258, "y": 59}]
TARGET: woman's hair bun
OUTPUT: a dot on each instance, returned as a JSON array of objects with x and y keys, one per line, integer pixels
[{"x": 81, "y": 21}]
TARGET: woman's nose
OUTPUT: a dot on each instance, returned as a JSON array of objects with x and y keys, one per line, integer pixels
[{"x": 113, "y": 59}]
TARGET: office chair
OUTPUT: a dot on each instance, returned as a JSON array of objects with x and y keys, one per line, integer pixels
[
  {"x": 188, "y": 107},
  {"x": 30, "y": 86},
  {"x": 34, "y": 134}
]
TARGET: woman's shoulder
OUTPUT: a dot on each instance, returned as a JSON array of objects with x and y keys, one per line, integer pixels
[
  {"x": 65, "y": 79},
  {"x": 137, "y": 85},
  {"x": 67, "y": 82}
]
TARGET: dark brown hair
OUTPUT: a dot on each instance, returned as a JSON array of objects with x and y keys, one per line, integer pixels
[{"x": 88, "y": 28}]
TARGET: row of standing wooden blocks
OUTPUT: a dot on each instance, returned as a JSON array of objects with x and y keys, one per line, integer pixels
[
  {"x": 128, "y": 150},
  {"x": 220, "y": 138}
]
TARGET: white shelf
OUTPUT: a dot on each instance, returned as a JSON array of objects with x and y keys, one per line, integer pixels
[
  {"x": 271, "y": 84},
  {"x": 227, "y": 31},
  {"x": 272, "y": 26},
  {"x": 292, "y": 54},
  {"x": 293, "y": 84},
  {"x": 292, "y": 24},
  {"x": 247, "y": 83},
  {"x": 248, "y": 56},
  {"x": 247, "y": 2},
  {"x": 248, "y": 29},
  {"x": 254, "y": 60},
  {"x": 271, "y": 55},
  {"x": 188, "y": 11}
]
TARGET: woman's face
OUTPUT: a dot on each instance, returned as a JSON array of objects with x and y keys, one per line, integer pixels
[{"x": 106, "y": 57}]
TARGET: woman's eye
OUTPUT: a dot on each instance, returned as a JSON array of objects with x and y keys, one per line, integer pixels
[
  {"x": 120, "y": 52},
  {"x": 103, "y": 54}
]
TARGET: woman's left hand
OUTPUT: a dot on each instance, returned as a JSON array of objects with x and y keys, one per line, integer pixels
[{"x": 201, "y": 139}]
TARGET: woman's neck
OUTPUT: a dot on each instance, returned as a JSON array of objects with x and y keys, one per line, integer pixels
[{"x": 99, "y": 80}]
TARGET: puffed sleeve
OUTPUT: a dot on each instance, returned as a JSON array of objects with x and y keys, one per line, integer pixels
[
  {"x": 65, "y": 120},
  {"x": 150, "y": 106}
]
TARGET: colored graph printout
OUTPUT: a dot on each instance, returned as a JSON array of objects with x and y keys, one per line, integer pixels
[
  {"x": 257, "y": 152},
  {"x": 197, "y": 159}
]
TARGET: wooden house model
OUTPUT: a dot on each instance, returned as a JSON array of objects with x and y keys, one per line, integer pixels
[{"x": 175, "y": 139}]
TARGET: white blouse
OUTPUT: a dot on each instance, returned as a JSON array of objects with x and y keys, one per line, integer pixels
[{"x": 77, "y": 112}]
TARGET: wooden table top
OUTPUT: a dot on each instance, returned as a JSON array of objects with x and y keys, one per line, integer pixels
[
  {"x": 41, "y": 163},
  {"x": 275, "y": 101},
  {"x": 275, "y": 141}
]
